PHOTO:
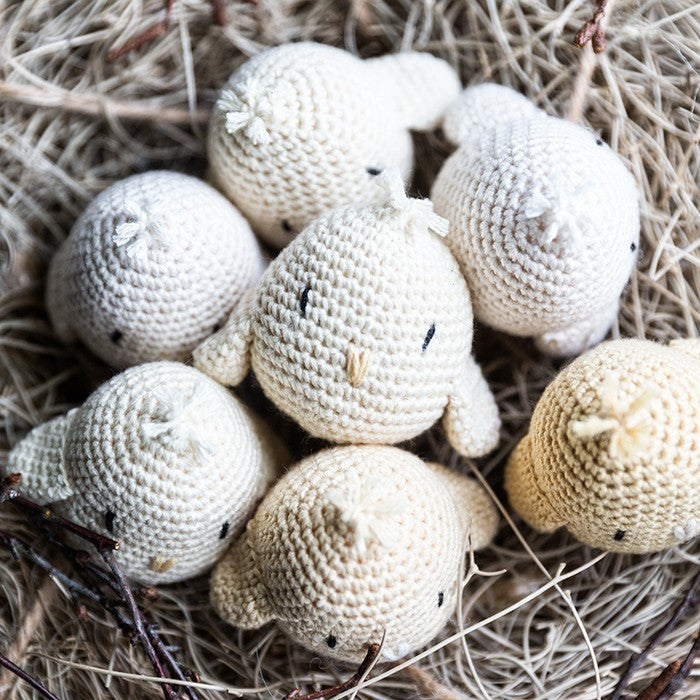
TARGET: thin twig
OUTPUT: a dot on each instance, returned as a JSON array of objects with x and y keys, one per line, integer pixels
[
  {"x": 41, "y": 689},
  {"x": 141, "y": 633},
  {"x": 593, "y": 30},
  {"x": 683, "y": 671},
  {"x": 363, "y": 669},
  {"x": 660, "y": 683},
  {"x": 98, "y": 105},
  {"x": 689, "y": 601}
]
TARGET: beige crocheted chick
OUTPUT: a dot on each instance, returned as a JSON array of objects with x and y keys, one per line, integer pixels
[
  {"x": 161, "y": 458},
  {"x": 361, "y": 330},
  {"x": 544, "y": 219},
  {"x": 303, "y": 128},
  {"x": 352, "y": 543},
  {"x": 153, "y": 264},
  {"x": 613, "y": 450}
]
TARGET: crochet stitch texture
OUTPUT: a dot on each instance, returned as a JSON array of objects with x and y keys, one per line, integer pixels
[
  {"x": 150, "y": 267},
  {"x": 361, "y": 330},
  {"x": 160, "y": 457},
  {"x": 544, "y": 219},
  {"x": 612, "y": 453},
  {"x": 303, "y": 128},
  {"x": 352, "y": 542}
]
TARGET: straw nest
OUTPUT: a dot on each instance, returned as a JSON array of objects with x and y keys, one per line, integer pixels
[{"x": 72, "y": 123}]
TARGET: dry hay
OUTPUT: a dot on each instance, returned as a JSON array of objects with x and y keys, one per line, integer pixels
[{"x": 66, "y": 133}]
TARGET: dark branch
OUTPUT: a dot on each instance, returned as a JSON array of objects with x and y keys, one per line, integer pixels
[
  {"x": 689, "y": 601},
  {"x": 364, "y": 667},
  {"x": 18, "y": 671},
  {"x": 593, "y": 30}
]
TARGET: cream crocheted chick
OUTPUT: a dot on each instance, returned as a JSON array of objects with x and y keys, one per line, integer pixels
[
  {"x": 152, "y": 265},
  {"x": 352, "y": 543},
  {"x": 544, "y": 219},
  {"x": 361, "y": 330},
  {"x": 303, "y": 128},
  {"x": 613, "y": 452},
  {"x": 160, "y": 457}
]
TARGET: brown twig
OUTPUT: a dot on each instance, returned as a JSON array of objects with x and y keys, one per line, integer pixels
[
  {"x": 18, "y": 671},
  {"x": 593, "y": 30},
  {"x": 683, "y": 672},
  {"x": 363, "y": 669},
  {"x": 660, "y": 683},
  {"x": 688, "y": 602},
  {"x": 97, "y": 105},
  {"x": 161, "y": 27}
]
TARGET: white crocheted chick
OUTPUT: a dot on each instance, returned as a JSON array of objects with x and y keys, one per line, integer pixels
[
  {"x": 613, "y": 453},
  {"x": 354, "y": 543},
  {"x": 544, "y": 219},
  {"x": 361, "y": 330},
  {"x": 303, "y": 128},
  {"x": 153, "y": 264},
  {"x": 161, "y": 458}
]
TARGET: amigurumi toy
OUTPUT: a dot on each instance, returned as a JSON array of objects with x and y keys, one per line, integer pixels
[
  {"x": 303, "y": 128},
  {"x": 612, "y": 453},
  {"x": 160, "y": 457},
  {"x": 544, "y": 219},
  {"x": 361, "y": 330},
  {"x": 153, "y": 264},
  {"x": 354, "y": 543}
]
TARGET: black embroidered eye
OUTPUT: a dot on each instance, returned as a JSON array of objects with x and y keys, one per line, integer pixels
[
  {"x": 599, "y": 142},
  {"x": 116, "y": 336},
  {"x": 217, "y": 327},
  {"x": 633, "y": 247},
  {"x": 304, "y": 300},
  {"x": 224, "y": 530},
  {"x": 331, "y": 641},
  {"x": 109, "y": 520},
  {"x": 374, "y": 171},
  {"x": 441, "y": 599},
  {"x": 287, "y": 226},
  {"x": 619, "y": 535},
  {"x": 429, "y": 336}
]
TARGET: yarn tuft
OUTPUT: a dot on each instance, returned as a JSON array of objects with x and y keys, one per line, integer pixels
[
  {"x": 418, "y": 214},
  {"x": 371, "y": 510},
  {"x": 243, "y": 109},
  {"x": 630, "y": 425},
  {"x": 139, "y": 234}
]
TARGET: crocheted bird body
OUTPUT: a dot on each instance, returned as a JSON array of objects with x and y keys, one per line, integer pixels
[
  {"x": 150, "y": 267},
  {"x": 354, "y": 543},
  {"x": 303, "y": 128},
  {"x": 612, "y": 453},
  {"x": 544, "y": 220},
  {"x": 361, "y": 330},
  {"x": 160, "y": 457}
]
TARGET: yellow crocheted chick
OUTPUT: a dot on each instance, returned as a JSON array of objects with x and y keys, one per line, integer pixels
[
  {"x": 613, "y": 450},
  {"x": 302, "y": 128},
  {"x": 160, "y": 457},
  {"x": 361, "y": 330},
  {"x": 353, "y": 543}
]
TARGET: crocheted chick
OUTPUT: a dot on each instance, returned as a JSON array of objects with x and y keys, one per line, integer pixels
[
  {"x": 303, "y": 128},
  {"x": 361, "y": 329},
  {"x": 544, "y": 219},
  {"x": 352, "y": 543},
  {"x": 160, "y": 457},
  {"x": 612, "y": 453},
  {"x": 152, "y": 265}
]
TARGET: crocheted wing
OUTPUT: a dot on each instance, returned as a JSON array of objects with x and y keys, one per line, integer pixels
[{"x": 39, "y": 459}]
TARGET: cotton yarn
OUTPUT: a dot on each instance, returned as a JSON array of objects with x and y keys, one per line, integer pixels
[
  {"x": 351, "y": 543},
  {"x": 153, "y": 264},
  {"x": 361, "y": 330},
  {"x": 160, "y": 457},
  {"x": 544, "y": 219},
  {"x": 613, "y": 452},
  {"x": 303, "y": 128}
]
